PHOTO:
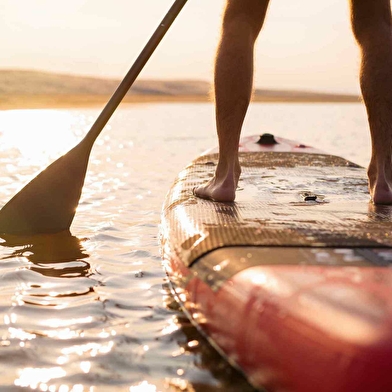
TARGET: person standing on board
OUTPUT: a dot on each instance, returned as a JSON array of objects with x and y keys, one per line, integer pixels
[{"x": 233, "y": 80}]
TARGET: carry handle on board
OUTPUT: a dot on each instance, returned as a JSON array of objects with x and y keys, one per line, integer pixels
[{"x": 48, "y": 203}]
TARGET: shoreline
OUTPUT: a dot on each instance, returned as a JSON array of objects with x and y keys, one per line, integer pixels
[{"x": 9, "y": 102}]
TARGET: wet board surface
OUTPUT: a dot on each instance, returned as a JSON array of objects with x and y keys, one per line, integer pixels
[{"x": 292, "y": 282}]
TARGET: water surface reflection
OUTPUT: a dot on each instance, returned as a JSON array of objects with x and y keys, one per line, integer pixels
[{"x": 90, "y": 314}]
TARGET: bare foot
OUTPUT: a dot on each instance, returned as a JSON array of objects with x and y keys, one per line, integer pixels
[
  {"x": 380, "y": 184},
  {"x": 221, "y": 187},
  {"x": 381, "y": 193}
]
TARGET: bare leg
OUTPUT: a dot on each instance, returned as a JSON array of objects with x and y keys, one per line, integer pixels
[
  {"x": 242, "y": 22},
  {"x": 371, "y": 23}
]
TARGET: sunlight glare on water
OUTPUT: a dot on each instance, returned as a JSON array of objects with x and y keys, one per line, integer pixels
[
  {"x": 37, "y": 134},
  {"x": 143, "y": 387},
  {"x": 34, "y": 377},
  {"x": 90, "y": 310}
]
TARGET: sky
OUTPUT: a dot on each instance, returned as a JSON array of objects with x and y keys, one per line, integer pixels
[{"x": 304, "y": 44}]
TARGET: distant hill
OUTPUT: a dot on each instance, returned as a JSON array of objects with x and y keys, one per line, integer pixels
[
  {"x": 27, "y": 87},
  {"x": 35, "y": 82}
]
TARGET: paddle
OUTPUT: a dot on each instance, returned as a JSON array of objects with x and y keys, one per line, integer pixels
[{"x": 48, "y": 203}]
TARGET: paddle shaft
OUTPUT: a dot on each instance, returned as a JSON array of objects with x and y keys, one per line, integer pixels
[
  {"x": 136, "y": 68},
  {"x": 47, "y": 204}
]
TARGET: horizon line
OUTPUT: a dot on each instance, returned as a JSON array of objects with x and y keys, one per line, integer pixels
[{"x": 118, "y": 79}]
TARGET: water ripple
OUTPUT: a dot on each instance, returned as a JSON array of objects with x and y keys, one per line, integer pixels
[{"x": 91, "y": 309}]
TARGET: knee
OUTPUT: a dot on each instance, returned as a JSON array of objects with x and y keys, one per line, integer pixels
[
  {"x": 244, "y": 16},
  {"x": 370, "y": 21}
]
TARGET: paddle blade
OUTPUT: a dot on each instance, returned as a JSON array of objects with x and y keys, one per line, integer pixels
[{"x": 48, "y": 203}]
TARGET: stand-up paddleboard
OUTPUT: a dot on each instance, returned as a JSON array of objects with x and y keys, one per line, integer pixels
[{"x": 292, "y": 282}]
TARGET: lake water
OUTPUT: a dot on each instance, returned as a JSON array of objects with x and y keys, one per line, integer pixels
[{"x": 91, "y": 311}]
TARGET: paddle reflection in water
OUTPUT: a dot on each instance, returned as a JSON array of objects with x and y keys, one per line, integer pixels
[
  {"x": 45, "y": 294},
  {"x": 57, "y": 255},
  {"x": 58, "y": 334},
  {"x": 53, "y": 275}
]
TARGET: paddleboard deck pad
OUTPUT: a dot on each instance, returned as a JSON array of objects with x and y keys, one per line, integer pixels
[{"x": 291, "y": 282}]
